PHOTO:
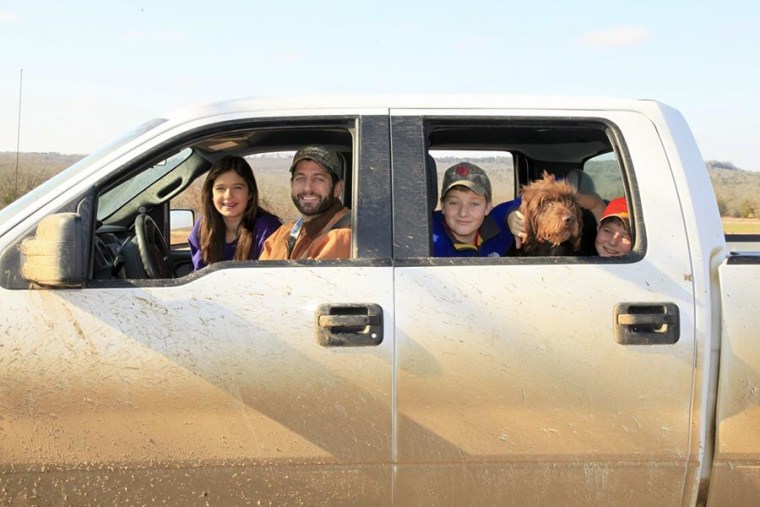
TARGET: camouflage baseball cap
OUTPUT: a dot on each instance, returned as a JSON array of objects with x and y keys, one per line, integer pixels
[
  {"x": 468, "y": 175},
  {"x": 331, "y": 161}
]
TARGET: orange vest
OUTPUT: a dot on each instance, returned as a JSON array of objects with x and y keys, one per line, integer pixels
[{"x": 329, "y": 243}]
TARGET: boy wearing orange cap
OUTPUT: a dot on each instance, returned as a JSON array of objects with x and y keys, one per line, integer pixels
[{"x": 613, "y": 236}]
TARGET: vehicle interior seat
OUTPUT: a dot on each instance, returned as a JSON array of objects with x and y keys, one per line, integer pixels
[
  {"x": 129, "y": 260},
  {"x": 582, "y": 181}
]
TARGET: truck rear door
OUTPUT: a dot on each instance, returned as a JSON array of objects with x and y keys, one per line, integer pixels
[{"x": 512, "y": 388}]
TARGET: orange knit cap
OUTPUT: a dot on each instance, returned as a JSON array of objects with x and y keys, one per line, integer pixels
[{"x": 617, "y": 207}]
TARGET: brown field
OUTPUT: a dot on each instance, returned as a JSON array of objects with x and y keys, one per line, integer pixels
[
  {"x": 179, "y": 236},
  {"x": 741, "y": 225}
]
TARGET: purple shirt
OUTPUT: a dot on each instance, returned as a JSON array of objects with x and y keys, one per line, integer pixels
[{"x": 265, "y": 225}]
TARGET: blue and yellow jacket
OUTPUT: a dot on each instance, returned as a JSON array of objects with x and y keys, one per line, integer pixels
[{"x": 495, "y": 240}]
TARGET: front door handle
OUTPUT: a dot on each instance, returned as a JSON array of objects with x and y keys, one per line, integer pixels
[
  {"x": 646, "y": 323},
  {"x": 349, "y": 325}
]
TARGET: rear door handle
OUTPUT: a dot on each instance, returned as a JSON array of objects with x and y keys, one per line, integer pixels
[
  {"x": 646, "y": 323},
  {"x": 349, "y": 325}
]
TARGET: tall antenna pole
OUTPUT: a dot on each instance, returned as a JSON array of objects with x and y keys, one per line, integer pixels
[{"x": 18, "y": 132}]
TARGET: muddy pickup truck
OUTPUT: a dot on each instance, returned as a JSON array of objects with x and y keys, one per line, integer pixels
[{"x": 392, "y": 377}]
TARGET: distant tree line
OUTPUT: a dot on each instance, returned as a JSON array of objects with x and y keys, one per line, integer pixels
[{"x": 737, "y": 191}]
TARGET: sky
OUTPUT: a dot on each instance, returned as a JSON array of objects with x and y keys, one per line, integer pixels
[{"x": 81, "y": 73}]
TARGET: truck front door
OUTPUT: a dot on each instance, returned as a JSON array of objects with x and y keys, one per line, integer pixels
[{"x": 246, "y": 382}]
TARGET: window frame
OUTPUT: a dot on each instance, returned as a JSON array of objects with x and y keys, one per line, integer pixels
[{"x": 411, "y": 140}]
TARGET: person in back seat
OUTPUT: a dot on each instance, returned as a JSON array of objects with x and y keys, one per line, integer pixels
[
  {"x": 324, "y": 229},
  {"x": 613, "y": 236},
  {"x": 463, "y": 226}
]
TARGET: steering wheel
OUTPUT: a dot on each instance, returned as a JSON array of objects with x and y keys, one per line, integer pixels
[{"x": 154, "y": 251}]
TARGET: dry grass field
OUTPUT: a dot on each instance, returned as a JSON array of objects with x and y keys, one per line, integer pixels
[
  {"x": 741, "y": 225},
  {"x": 179, "y": 236}
]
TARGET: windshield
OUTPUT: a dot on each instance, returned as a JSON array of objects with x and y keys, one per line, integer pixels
[
  {"x": 72, "y": 171},
  {"x": 115, "y": 198}
]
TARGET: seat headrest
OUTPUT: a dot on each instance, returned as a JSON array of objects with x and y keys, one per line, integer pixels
[{"x": 582, "y": 181}]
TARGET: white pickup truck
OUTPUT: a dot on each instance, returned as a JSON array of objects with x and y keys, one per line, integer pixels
[{"x": 392, "y": 377}]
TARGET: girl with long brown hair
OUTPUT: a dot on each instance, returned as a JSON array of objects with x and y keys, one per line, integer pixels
[{"x": 232, "y": 226}]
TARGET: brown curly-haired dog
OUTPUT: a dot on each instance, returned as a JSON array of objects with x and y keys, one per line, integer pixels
[{"x": 553, "y": 217}]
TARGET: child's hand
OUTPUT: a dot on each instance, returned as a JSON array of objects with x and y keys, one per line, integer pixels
[{"x": 516, "y": 224}]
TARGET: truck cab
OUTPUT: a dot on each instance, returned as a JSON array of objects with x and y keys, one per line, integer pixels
[{"x": 392, "y": 377}]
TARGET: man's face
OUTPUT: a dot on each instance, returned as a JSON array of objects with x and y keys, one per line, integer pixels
[
  {"x": 312, "y": 189},
  {"x": 464, "y": 211},
  {"x": 612, "y": 238}
]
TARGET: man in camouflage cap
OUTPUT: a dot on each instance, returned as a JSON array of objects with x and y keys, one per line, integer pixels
[{"x": 324, "y": 229}]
